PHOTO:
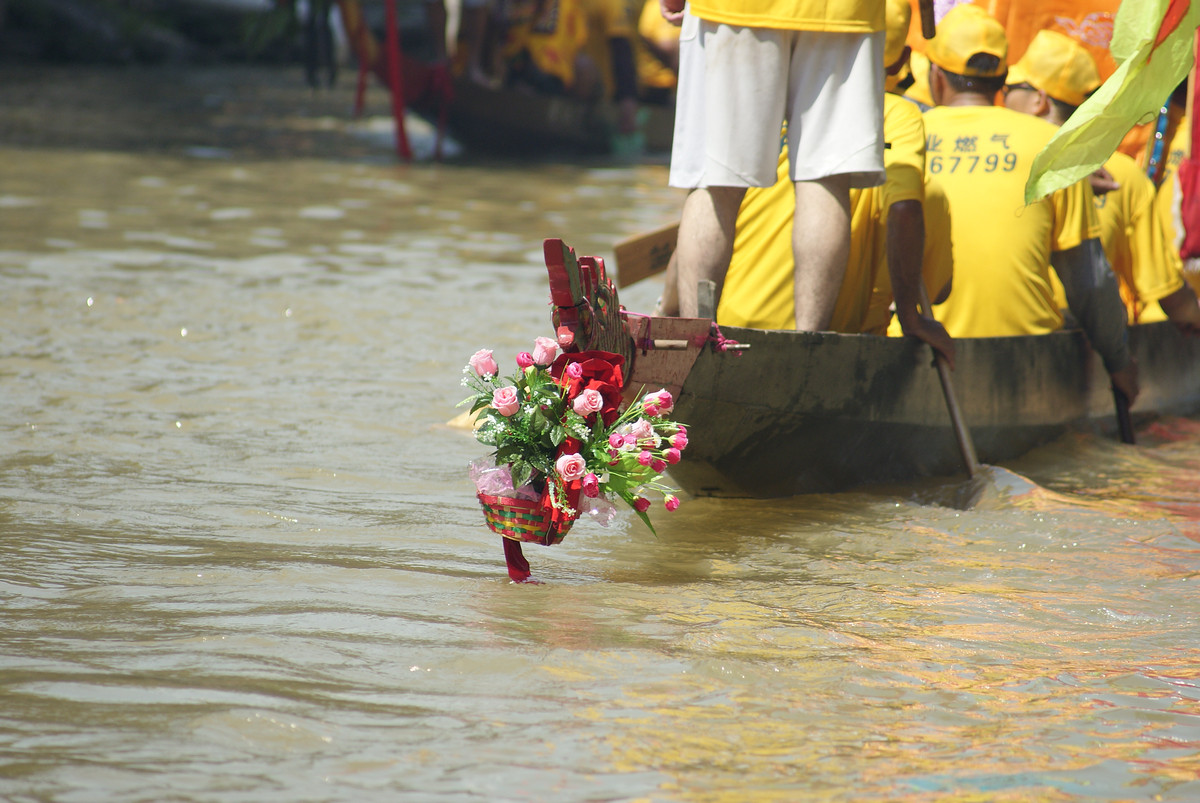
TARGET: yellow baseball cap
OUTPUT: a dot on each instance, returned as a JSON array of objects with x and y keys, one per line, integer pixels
[
  {"x": 919, "y": 91},
  {"x": 965, "y": 31},
  {"x": 898, "y": 16},
  {"x": 1057, "y": 65}
]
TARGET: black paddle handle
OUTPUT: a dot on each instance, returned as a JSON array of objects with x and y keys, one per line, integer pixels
[{"x": 1124, "y": 422}]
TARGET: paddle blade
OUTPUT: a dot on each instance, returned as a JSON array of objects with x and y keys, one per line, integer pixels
[{"x": 645, "y": 255}]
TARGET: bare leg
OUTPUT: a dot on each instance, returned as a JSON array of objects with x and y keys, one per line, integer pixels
[
  {"x": 821, "y": 246},
  {"x": 668, "y": 302},
  {"x": 705, "y": 245}
]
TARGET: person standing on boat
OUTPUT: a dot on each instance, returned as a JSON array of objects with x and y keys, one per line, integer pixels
[
  {"x": 746, "y": 67},
  {"x": 888, "y": 243},
  {"x": 1004, "y": 249},
  {"x": 1053, "y": 77}
]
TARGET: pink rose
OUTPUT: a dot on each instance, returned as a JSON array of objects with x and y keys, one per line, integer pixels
[
  {"x": 524, "y": 360},
  {"x": 616, "y": 441},
  {"x": 671, "y": 502},
  {"x": 630, "y": 441},
  {"x": 483, "y": 364},
  {"x": 641, "y": 504},
  {"x": 565, "y": 336},
  {"x": 506, "y": 401},
  {"x": 656, "y": 404},
  {"x": 642, "y": 429},
  {"x": 544, "y": 350},
  {"x": 672, "y": 455},
  {"x": 588, "y": 402},
  {"x": 679, "y": 441},
  {"x": 645, "y": 458},
  {"x": 658, "y": 466},
  {"x": 590, "y": 485},
  {"x": 573, "y": 370},
  {"x": 570, "y": 466}
]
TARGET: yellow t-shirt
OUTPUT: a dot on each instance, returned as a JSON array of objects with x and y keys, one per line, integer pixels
[
  {"x": 556, "y": 36},
  {"x": 1002, "y": 285},
  {"x": 759, "y": 284},
  {"x": 653, "y": 28},
  {"x": 846, "y": 16},
  {"x": 1136, "y": 243}
]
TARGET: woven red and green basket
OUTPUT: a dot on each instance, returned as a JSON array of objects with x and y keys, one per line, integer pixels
[{"x": 522, "y": 520}]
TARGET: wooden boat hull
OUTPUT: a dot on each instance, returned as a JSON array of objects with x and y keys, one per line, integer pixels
[
  {"x": 806, "y": 412},
  {"x": 513, "y": 122},
  {"x": 803, "y": 412}
]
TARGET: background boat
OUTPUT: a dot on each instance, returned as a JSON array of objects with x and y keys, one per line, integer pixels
[{"x": 517, "y": 121}]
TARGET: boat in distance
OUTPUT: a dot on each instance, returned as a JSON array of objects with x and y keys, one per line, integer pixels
[
  {"x": 774, "y": 413},
  {"x": 515, "y": 121}
]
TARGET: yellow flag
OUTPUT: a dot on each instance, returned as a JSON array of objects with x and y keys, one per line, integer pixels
[{"x": 1147, "y": 73}]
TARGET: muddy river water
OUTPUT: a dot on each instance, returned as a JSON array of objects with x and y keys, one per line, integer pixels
[{"x": 243, "y": 561}]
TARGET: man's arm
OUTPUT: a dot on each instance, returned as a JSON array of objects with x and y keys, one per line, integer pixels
[
  {"x": 905, "y": 245},
  {"x": 1094, "y": 300},
  {"x": 1182, "y": 309}
]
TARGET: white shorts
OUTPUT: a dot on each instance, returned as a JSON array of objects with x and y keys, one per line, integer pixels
[{"x": 738, "y": 85}]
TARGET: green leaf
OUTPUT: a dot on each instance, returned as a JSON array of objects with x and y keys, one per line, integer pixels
[{"x": 521, "y": 472}]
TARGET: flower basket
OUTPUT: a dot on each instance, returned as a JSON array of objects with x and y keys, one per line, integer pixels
[
  {"x": 565, "y": 444},
  {"x": 523, "y": 519}
]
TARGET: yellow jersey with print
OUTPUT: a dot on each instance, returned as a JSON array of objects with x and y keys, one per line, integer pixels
[
  {"x": 981, "y": 155},
  {"x": 1136, "y": 242},
  {"x": 759, "y": 285},
  {"x": 844, "y": 16}
]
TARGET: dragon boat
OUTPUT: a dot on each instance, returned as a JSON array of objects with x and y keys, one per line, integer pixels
[
  {"x": 512, "y": 121},
  {"x": 775, "y": 413}
]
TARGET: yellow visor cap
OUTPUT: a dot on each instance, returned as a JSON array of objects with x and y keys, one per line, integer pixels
[
  {"x": 965, "y": 31},
  {"x": 1059, "y": 66}
]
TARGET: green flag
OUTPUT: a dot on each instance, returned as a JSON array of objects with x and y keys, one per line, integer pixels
[{"x": 1148, "y": 71}]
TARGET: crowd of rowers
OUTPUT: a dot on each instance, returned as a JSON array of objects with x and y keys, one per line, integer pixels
[
  {"x": 586, "y": 49},
  {"x": 962, "y": 128}
]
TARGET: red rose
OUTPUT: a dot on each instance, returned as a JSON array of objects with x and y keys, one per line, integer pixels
[{"x": 599, "y": 371}]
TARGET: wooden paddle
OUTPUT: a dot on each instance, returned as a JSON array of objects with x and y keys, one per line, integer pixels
[
  {"x": 966, "y": 446},
  {"x": 1124, "y": 422},
  {"x": 644, "y": 255},
  {"x": 928, "y": 29}
]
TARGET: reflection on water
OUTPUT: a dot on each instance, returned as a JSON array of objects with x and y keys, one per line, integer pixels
[{"x": 243, "y": 560}]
